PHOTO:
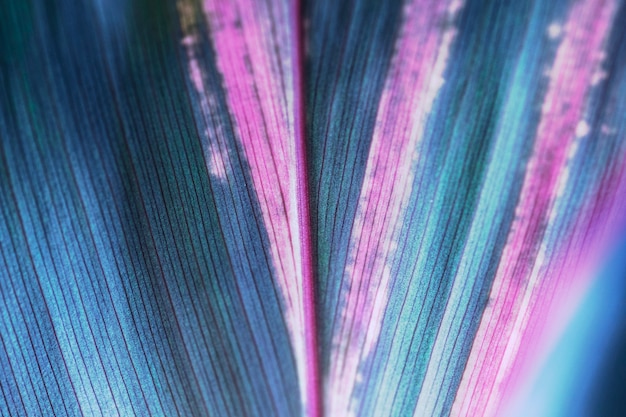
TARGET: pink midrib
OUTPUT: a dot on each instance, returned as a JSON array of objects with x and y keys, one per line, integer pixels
[{"x": 313, "y": 388}]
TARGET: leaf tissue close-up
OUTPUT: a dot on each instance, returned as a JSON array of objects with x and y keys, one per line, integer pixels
[{"x": 313, "y": 208}]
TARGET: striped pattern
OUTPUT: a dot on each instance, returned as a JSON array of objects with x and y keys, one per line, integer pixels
[
  {"x": 135, "y": 280},
  {"x": 463, "y": 210},
  {"x": 282, "y": 208},
  {"x": 385, "y": 193},
  {"x": 521, "y": 283}
]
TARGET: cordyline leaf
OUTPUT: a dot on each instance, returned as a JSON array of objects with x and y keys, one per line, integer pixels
[{"x": 267, "y": 208}]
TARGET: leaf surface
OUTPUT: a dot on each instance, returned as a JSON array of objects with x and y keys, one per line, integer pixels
[{"x": 281, "y": 208}]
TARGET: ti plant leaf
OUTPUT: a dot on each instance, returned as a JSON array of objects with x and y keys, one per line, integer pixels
[{"x": 284, "y": 208}]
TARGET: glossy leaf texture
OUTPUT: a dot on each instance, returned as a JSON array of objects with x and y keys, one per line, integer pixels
[{"x": 281, "y": 208}]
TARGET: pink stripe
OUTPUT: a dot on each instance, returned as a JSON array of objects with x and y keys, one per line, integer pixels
[
  {"x": 255, "y": 50},
  {"x": 419, "y": 63},
  {"x": 517, "y": 288},
  {"x": 256, "y": 64}
]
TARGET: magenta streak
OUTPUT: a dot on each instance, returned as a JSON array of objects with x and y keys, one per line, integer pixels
[
  {"x": 313, "y": 383},
  {"x": 252, "y": 86},
  {"x": 252, "y": 89},
  {"x": 575, "y": 63},
  {"x": 414, "y": 79},
  {"x": 258, "y": 49}
]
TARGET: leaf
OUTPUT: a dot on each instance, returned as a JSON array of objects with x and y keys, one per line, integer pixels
[{"x": 319, "y": 208}]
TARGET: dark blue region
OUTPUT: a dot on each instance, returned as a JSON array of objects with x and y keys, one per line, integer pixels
[
  {"x": 131, "y": 282},
  {"x": 349, "y": 45},
  {"x": 608, "y": 387},
  {"x": 593, "y": 370}
]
